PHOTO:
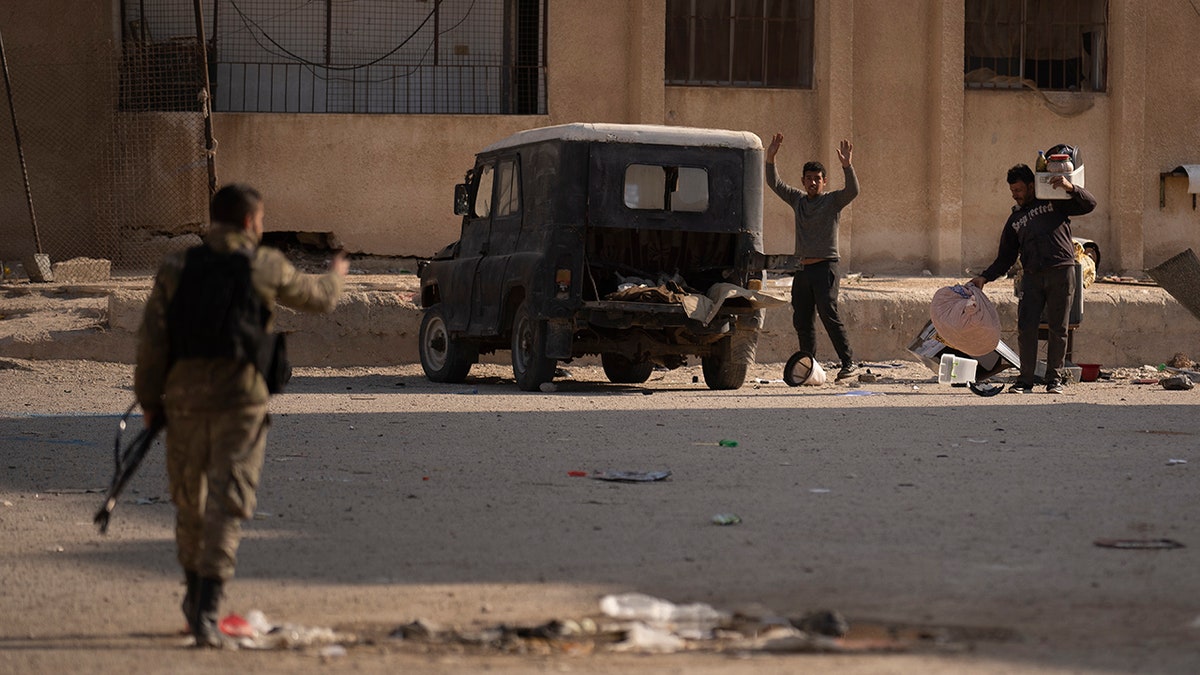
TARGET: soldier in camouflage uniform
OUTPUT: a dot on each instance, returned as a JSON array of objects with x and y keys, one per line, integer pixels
[{"x": 216, "y": 408}]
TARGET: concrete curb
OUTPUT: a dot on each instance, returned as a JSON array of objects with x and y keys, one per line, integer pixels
[{"x": 377, "y": 324}]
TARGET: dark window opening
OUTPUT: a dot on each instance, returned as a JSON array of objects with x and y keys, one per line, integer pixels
[
  {"x": 740, "y": 43},
  {"x": 1012, "y": 44}
]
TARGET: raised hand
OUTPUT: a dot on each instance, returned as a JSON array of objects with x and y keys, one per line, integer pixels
[{"x": 845, "y": 148}]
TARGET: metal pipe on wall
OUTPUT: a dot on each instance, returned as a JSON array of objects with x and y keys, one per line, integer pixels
[{"x": 210, "y": 146}]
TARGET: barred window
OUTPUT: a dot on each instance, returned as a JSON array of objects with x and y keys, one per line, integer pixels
[
  {"x": 366, "y": 56},
  {"x": 1011, "y": 44},
  {"x": 740, "y": 43}
]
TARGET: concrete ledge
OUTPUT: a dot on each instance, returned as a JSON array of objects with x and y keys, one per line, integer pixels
[{"x": 377, "y": 323}]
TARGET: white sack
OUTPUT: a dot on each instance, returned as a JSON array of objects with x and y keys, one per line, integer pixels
[
  {"x": 817, "y": 376},
  {"x": 966, "y": 319}
]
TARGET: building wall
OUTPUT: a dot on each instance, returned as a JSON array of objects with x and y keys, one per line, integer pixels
[
  {"x": 58, "y": 54},
  {"x": 930, "y": 155},
  {"x": 1171, "y": 120}
]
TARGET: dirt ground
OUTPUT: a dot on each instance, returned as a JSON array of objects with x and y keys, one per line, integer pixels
[{"x": 955, "y": 533}]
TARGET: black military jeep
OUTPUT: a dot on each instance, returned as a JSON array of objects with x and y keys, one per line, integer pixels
[{"x": 598, "y": 239}]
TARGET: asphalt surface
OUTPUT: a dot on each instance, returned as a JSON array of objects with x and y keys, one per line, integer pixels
[{"x": 956, "y": 533}]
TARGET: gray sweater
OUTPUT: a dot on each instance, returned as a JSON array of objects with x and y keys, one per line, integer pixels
[{"x": 816, "y": 219}]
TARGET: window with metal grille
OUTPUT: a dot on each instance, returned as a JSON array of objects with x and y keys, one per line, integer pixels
[
  {"x": 740, "y": 43},
  {"x": 1060, "y": 45},
  {"x": 363, "y": 56}
]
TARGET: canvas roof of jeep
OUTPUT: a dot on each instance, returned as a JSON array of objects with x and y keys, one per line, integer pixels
[{"x": 632, "y": 133}]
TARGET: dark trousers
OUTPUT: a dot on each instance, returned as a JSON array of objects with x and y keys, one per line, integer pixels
[
  {"x": 815, "y": 293},
  {"x": 1050, "y": 292}
]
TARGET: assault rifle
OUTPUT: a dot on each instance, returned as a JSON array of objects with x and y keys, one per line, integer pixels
[{"x": 125, "y": 463}]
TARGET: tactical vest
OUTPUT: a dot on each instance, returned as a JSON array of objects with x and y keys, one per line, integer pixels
[{"x": 217, "y": 313}]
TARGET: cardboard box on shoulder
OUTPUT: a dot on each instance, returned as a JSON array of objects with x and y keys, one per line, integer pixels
[{"x": 1044, "y": 190}]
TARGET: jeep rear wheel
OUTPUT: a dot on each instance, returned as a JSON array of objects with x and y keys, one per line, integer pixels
[
  {"x": 731, "y": 358},
  {"x": 444, "y": 358},
  {"x": 531, "y": 367},
  {"x": 621, "y": 370}
]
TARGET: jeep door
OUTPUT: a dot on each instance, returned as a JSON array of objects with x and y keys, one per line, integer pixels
[
  {"x": 458, "y": 282},
  {"x": 491, "y": 280}
]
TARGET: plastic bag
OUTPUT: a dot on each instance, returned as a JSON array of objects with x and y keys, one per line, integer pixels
[{"x": 966, "y": 319}]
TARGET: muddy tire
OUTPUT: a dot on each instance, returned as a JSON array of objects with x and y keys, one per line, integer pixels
[
  {"x": 726, "y": 367},
  {"x": 444, "y": 358},
  {"x": 621, "y": 370},
  {"x": 531, "y": 367}
]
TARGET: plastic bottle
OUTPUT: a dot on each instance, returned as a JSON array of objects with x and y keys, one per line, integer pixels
[{"x": 1041, "y": 161}]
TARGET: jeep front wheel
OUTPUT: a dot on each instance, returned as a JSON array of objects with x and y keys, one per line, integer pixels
[
  {"x": 443, "y": 358},
  {"x": 621, "y": 370},
  {"x": 531, "y": 367}
]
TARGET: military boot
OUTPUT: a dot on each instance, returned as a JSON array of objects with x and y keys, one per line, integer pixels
[
  {"x": 206, "y": 616},
  {"x": 189, "y": 599}
]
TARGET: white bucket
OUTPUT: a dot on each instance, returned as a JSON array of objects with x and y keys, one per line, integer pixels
[{"x": 956, "y": 369}]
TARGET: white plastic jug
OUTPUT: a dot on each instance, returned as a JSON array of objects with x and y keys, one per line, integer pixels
[{"x": 956, "y": 369}]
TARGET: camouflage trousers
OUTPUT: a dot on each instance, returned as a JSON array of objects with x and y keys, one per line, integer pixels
[{"x": 214, "y": 461}]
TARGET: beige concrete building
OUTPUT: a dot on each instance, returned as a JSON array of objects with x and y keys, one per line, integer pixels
[{"x": 1117, "y": 79}]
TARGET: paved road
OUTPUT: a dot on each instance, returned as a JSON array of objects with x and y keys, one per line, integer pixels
[{"x": 387, "y": 499}]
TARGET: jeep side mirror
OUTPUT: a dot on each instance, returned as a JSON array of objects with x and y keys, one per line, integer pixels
[{"x": 462, "y": 205}]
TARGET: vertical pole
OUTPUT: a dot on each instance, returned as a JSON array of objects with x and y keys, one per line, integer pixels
[
  {"x": 37, "y": 238},
  {"x": 328, "y": 32},
  {"x": 210, "y": 149}
]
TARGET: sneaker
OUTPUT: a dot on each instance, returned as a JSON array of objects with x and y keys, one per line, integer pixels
[
  {"x": 1019, "y": 388},
  {"x": 1054, "y": 388},
  {"x": 846, "y": 371}
]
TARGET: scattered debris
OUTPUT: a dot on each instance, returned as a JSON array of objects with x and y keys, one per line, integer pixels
[
  {"x": 1144, "y": 544},
  {"x": 696, "y": 620},
  {"x": 632, "y": 476},
  {"x": 823, "y": 622},
  {"x": 1193, "y": 375},
  {"x": 1181, "y": 360},
  {"x": 255, "y": 631},
  {"x": 1175, "y": 462},
  {"x": 726, "y": 519},
  {"x": 727, "y": 443},
  {"x": 1177, "y": 383},
  {"x": 628, "y": 622}
]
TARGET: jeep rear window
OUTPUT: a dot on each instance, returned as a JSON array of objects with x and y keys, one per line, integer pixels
[{"x": 666, "y": 188}]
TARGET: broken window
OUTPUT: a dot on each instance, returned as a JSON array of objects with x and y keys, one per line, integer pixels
[
  {"x": 740, "y": 43},
  {"x": 666, "y": 188},
  {"x": 1011, "y": 44}
]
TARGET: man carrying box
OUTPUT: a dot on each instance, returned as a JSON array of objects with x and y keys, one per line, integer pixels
[{"x": 1039, "y": 231}]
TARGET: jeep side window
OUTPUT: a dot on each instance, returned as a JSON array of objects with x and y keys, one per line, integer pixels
[
  {"x": 508, "y": 189},
  {"x": 666, "y": 188},
  {"x": 483, "y": 192}
]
